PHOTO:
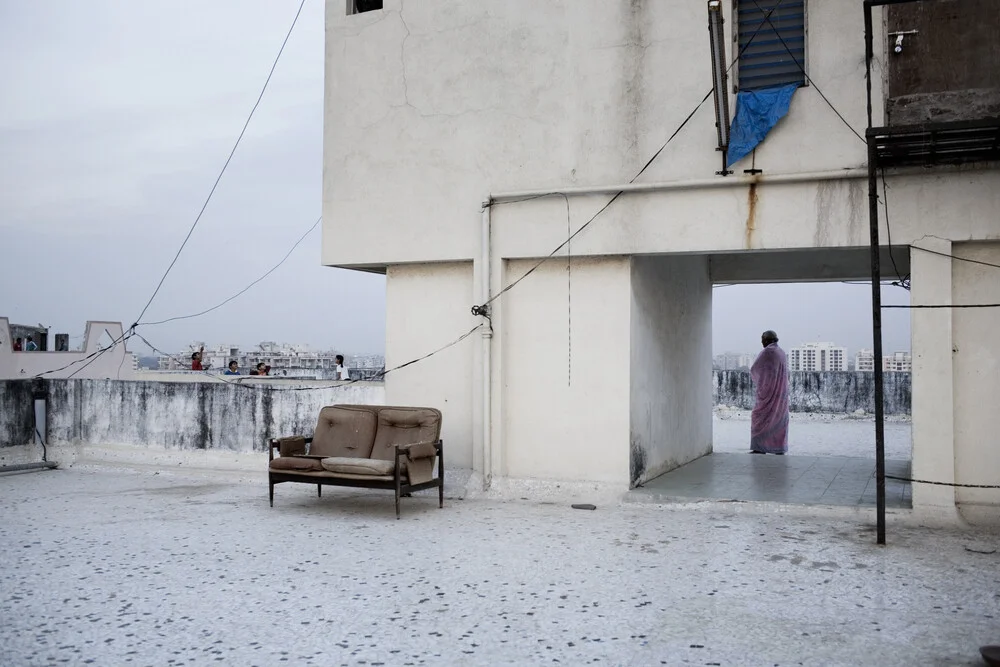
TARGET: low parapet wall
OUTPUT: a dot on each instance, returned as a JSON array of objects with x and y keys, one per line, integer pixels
[
  {"x": 208, "y": 415},
  {"x": 831, "y": 392}
]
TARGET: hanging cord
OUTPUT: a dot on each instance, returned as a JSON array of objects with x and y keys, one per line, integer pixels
[
  {"x": 225, "y": 165},
  {"x": 802, "y": 69},
  {"x": 924, "y": 481},
  {"x": 569, "y": 299},
  {"x": 484, "y": 308}
]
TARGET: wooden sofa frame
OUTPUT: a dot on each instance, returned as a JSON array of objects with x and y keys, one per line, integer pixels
[{"x": 398, "y": 485}]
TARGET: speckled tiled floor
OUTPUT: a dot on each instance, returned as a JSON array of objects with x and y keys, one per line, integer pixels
[
  {"x": 801, "y": 480},
  {"x": 123, "y": 568}
]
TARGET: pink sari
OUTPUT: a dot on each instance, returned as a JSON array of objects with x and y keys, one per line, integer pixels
[{"x": 769, "y": 420}]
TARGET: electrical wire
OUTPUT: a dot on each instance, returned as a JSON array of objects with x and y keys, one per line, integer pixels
[
  {"x": 225, "y": 165},
  {"x": 242, "y": 291},
  {"x": 380, "y": 376},
  {"x": 947, "y": 305},
  {"x": 806, "y": 74},
  {"x": 484, "y": 307},
  {"x": 902, "y": 282},
  {"x": 961, "y": 259},
  {"x": 954, "y": 484}
]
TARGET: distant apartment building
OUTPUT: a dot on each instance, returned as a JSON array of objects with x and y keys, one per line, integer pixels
[
  {"x": 817, "y": 357},
  {"x": 288, "y": 361},
  {"x": 734, "y": 361},
  {"x": 898, "y": 362}
]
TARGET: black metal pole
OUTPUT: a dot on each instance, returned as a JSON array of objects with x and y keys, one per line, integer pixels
[
  {"x": 877, "y": 344},
  {"x": 876, "y": 291}
]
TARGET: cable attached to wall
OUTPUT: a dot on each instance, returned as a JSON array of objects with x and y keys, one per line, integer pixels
[
  {"x": 484, "y": 308},
  {"x": 225, "y": 166},
  {"x": 953, "y": 484}
]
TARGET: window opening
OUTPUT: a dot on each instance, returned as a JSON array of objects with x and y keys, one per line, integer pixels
[{"x": 766, "y": 62}]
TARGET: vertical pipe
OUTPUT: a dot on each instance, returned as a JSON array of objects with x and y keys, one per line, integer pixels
[
  {"x": 877, "y": 344},
  {"x": 876, "y": 289},
  {"x": 487, "y": 344},
  {"x": 869, "y": 54}
]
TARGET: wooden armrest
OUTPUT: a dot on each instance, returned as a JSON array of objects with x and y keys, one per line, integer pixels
[{"x": 404, "y": 449}]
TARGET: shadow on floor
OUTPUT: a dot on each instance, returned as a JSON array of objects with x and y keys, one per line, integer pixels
[{"x": 798, "y": 480}]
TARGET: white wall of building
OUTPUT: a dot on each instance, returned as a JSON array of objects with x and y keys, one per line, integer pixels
[
  {"x": 671, "y": 350},
  {"x": 977, "y": 366},
  {"x": 561, "y": 422},
  {"x": 428, "y": 307},
  {"x": 113, "y": 364},
  {"x": 432, "y": 106}
]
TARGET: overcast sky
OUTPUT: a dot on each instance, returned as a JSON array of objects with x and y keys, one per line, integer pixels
[
  {"x": 115, "y": 118},
  {"x": 114, "y": 121}
]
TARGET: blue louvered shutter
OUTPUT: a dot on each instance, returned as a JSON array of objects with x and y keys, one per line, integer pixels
[{"x": 767, "y": 62}]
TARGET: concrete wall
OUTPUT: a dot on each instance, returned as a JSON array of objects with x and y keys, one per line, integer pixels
[
  {"x": 977, "y": 365},
  {"x": 81, "y": 364},
  {"x": 17, "y": 415},
  {"x": 428, "y": 307},
  {"x": 431, "y": 105},
  {"x": 819, "y": 392},
  {"x": 565, "y": 372},
  {"x": 671, "y": 345},
  {"x": 188, "y": 416}
]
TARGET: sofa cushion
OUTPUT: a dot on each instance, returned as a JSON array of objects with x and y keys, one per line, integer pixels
[
  {"x": 344, "y": 431},
  {"x": 296, "y": 464},
  {"x": 404, "y": 426},
  {"x": 357, "y": 466}
]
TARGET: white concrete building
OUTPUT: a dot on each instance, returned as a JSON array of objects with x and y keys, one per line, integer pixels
[
  {"x": 99, "y": 358},
  {"x": 448, "y": 126},
  {"x": 898, "y": 362},
  {"x": 817, "y": 357}
]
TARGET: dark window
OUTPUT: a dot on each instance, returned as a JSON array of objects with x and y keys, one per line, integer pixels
[
  {"x": 776, "y": 55},
  {"x": 361, "y": 6}
]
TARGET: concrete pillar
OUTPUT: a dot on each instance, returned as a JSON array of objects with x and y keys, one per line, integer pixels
[
  {"x": 427, "y": 307},
  {"x": 933, "y": 377},
  {"x": 977, "y": 380},
  {"x": 565, "y": 372},
  {"x": 671, "y": 364}
]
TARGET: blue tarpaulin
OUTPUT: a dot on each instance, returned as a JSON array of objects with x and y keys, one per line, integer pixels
[{"x": 757, "y": 111}]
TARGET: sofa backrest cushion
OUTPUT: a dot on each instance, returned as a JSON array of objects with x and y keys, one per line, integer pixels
[
  {"x": 344, "y": 431},
  {"x": 404, "y": 426}
]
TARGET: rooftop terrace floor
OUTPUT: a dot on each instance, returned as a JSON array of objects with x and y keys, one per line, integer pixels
[{"x": 124, "y": 567}]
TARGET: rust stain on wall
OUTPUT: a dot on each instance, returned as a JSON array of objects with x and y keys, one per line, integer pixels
[{"x": 751, "y": 225}]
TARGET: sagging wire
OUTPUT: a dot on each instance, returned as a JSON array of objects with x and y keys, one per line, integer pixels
[
  {"x": 242, "y": 291},
  {"x": 380, "y": 376},
  {"x": 484, "y": 308},
  {"x": 246, "y": 124},
  {"x": 806, "y": 74}
]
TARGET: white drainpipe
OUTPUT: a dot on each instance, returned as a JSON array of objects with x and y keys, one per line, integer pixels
[
  {"x": 695, "y": 184},
  {"x": 487, "y": 332},
  {"x": 487, "y": 257}
]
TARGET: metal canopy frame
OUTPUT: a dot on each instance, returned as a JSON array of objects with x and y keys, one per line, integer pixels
[{"x": 927, "y": 144}]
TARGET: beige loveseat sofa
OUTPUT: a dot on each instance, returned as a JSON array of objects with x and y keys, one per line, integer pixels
[{"x": 370, "y": 446}]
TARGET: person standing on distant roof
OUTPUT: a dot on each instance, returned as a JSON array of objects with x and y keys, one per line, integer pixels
[
  {"x": 18, "y": 345},
  {"x": 340, "y": 371},
  {"x": 30, "y": 345},
  {"x": 196, "y": 360},
  {"x": 769, "y": 419},
  {"x": 233, "y": 368}
]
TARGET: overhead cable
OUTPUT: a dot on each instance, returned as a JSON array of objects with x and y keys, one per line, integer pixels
[{"x": 225, "y": 165}]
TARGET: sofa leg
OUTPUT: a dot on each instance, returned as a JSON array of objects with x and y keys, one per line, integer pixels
[
  {"x": 440, "y": 493},
  {"x": 319, "y": 490},
  {"x": 272, "y": 494}
]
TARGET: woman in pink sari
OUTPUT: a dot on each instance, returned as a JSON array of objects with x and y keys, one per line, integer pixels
[{"x": 769, "y": 420}]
